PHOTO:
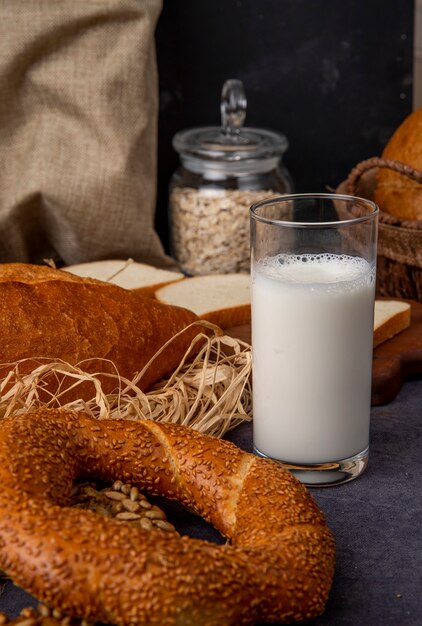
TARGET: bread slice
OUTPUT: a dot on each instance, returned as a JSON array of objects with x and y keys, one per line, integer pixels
[
  {"x": 128, "y": 274},
  {"x": 223, "y": 299},
  {"x": 391, "y": 317}
]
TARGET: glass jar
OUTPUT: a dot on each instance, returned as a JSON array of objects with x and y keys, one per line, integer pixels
[{"x": 222, "y": 172}]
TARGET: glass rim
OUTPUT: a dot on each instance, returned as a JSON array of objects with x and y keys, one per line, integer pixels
[{"x": 306, "y": 196}]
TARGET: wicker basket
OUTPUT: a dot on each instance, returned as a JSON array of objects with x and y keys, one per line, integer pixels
[{"x": 399, "y": 261}]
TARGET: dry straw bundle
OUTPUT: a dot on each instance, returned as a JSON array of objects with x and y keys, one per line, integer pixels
[{"x": 210, "y": 392}]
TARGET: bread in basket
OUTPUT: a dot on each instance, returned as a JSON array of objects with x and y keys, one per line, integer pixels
[{"x": 399, "y": 260}]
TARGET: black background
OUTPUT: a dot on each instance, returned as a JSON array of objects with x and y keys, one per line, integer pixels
[{"x": 335, "y": 76}]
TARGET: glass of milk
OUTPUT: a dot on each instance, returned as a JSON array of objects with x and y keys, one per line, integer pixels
[{"x": 313, "y": 288}]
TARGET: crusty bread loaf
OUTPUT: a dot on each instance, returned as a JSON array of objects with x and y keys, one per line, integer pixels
[
  {"x": 394, "y": 193},
  {"x": 391, "y": 317},
  {"x": 127, "y": 274},
  {"x": 277, "y": 565},
  {"x": 50, "y": 313},
  {"x": 223, "y": 299}
]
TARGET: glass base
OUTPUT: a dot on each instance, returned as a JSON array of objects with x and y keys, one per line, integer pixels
[{"x": 326, "y": 474}]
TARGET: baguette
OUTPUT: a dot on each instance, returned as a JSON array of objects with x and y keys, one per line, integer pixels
[
  {"x": 129, "y": 274},
  {"x": 48, "y": 313},
  {"x": 391, "y": 317},
  {"x": 223, "y": 299}
]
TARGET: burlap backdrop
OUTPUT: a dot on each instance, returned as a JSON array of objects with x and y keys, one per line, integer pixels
[{"x": 78, "y": 128}]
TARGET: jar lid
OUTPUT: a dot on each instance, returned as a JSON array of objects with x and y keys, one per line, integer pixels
[{"x": 232, "y": 142}]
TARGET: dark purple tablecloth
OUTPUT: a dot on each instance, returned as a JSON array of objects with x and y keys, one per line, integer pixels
[{"x": 376, "y": 520}]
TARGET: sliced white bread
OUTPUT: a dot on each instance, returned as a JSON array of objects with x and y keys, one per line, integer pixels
[
  {"x": 127, "y": 274},
  {"x": 223, "y": 299},
  {"x": 391, "y": 317}
]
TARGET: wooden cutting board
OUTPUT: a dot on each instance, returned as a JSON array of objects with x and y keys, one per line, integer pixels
[
  {"x": 394, "y": 362},
  {"x": 398, "y": 359}
]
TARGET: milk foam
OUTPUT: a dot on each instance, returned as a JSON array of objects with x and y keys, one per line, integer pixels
[{"x": 315, "y": 268}]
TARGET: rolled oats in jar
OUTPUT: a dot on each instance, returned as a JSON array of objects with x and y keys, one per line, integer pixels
[{"x": 223, "y": 171}]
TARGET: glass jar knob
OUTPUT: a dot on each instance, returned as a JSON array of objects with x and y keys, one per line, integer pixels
[{"x": 233, "y": 106}]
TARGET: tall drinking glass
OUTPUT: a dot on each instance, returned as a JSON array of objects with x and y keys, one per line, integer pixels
[{"x": 313, "y": 287}]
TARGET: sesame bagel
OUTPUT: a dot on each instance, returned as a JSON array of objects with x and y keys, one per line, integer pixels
[{"x": 277, "y": 565}]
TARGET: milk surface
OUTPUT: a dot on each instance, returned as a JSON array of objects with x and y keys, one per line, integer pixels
[{"x": 312, "y": 330}]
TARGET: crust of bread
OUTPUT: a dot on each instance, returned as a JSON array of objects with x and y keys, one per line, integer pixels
[
  {"x": 391, "y": 318},
  {"x": 394, "y": 193},
  {"x": 231, "y": 316},
  {"x": 48, "y": 313}
]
